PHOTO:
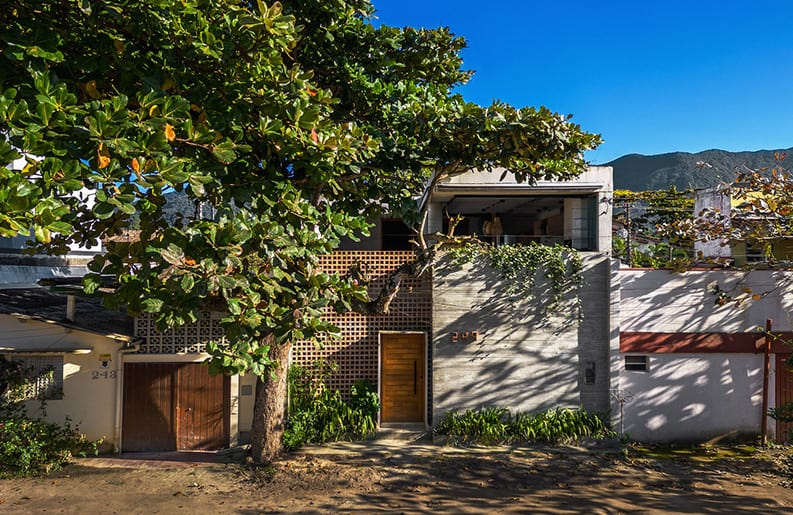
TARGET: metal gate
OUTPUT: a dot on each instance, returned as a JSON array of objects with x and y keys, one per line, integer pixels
[
  {"x": 174, "y": 406},
  {"x": 784, "y": 394}
]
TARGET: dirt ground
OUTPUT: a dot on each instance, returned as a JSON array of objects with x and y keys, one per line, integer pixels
[{"x": 408, "y": 478}]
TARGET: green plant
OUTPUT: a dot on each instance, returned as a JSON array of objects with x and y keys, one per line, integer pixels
[
  {"x": 363, "y": 397},
  {"x": 492, "y": 426},
  {"x": 319, "y": 415},
  {"x": 518, "y": 266},
  {"x": 29, "y": 447},
  {"x": 782, "y": 413},
  {"x": 32, "y": 446}
]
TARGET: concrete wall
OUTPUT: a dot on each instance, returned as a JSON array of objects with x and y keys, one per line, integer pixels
[
  {"x": 712, "y": 198},
  {"x": 524, "y": 358},
  {"x": 695, "y": 397}
]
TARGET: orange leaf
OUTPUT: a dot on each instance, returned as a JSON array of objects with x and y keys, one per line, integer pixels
[
  {"x": 189, "y": 261},
  {"x": 314, "y": 136},
  {"x": 135, "y": 165},
  {"x": 170, "y": 135},
  {"x": 103, "y": 156},
  {"x": 311, "y": 92}
]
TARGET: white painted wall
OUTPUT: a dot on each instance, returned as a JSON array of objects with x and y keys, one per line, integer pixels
[
  {"x": 696, "y": 397},
  {"x": 713, "y": 198},
  {"x": 665, "y": 301}
]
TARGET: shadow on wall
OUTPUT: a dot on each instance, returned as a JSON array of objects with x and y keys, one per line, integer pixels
[
  {"x": 525, "y": 356},
  {"x": 687, "y": 397},
  {"x": 666, "y": 301}
]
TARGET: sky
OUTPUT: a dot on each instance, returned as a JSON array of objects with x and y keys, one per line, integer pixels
[{"x": 649, "y": 76}]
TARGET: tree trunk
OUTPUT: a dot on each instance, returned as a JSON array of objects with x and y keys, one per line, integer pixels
[{"x": 269, "y": 412}]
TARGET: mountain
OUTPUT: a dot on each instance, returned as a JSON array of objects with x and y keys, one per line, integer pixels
[{"x": 638, "y": 172}]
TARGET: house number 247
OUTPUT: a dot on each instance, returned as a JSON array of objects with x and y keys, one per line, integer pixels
[{"x": 465, "y": 336}]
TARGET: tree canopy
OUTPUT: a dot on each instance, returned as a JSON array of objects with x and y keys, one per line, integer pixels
[{"x": 296, "y": 122}]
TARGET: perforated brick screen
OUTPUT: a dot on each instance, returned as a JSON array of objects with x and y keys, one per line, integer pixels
[
  {"x": 190, "y": 339},
  {"x": 357, "y": 351}
]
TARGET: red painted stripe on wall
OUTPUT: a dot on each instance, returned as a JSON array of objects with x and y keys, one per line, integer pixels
[{"x": 693, "y": 343}]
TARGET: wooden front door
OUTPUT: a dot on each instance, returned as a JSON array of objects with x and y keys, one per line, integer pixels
[
  {"x": 403, "y": 388},
  {"x": 174, "y": 406},
  {"x": 784, "y": 394}
]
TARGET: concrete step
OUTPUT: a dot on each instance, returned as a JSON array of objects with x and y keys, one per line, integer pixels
[{"x": 402, "y": 432}]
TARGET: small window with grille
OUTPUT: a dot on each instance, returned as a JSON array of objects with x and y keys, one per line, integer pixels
[{"x": 44, "y": 378}]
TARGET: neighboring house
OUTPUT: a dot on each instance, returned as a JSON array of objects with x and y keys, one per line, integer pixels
[
  {"x": 73, "y": 349},
  {"x": 691, "y": 369},
  {"x": 741, "y": 253},
  {"x": 147, "y": 392}
]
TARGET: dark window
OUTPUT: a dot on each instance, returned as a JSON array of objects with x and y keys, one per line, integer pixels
[
  {"x": 636, "y": 363},
  {"x": 589, "y": 372},
  {"x": 396, "y": 235}
]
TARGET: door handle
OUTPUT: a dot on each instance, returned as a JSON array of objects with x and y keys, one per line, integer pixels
[{"x": 415, "y": 376}]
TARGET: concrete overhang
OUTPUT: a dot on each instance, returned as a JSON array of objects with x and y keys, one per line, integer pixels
[
  {"x": 54, "y": 350},
  {"x": 445, "y": 192}
]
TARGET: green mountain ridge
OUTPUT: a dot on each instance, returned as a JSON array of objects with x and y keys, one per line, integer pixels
[{"x": 638, "y": 172}]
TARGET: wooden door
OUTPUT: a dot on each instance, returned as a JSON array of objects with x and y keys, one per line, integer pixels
[
  {"x": 403, "y": 388},
  {"x": 149, "y": 405},
  {"x": 784, "y": 394},
  {"x": 202, "y": 409},
  {"x": 174, "y": 406}
]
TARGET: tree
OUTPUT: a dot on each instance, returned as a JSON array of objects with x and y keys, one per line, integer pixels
[
  {"x": 294, "y": 135},
  {"x": 645, "y": 216},
  {"x": 759, "y": 213}
]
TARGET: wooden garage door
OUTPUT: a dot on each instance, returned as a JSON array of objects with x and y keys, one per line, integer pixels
[
  {"x": 784, "y": 394},
  {"x": 174, "y": 406},
  {"x": 402, "y": 383}
]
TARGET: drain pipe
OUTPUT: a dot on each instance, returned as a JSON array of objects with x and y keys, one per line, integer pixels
[{"x": 128, "y": 348}]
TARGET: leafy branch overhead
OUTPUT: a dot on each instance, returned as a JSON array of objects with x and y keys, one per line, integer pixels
[{"x": 292, "y": 136}]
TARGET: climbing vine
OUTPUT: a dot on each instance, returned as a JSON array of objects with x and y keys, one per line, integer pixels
[{"x": 519, "y": 264}]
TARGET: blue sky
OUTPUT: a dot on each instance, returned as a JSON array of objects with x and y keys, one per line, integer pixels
[{"x": 650, "y": 77}]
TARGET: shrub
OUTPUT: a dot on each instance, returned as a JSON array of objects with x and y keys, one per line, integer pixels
[
  {"x": 318, "y": 415},
  {"x": 363, "y": 397},
  {"x": 32, "y": 446},
  {"x": 491, "y": 426}
]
